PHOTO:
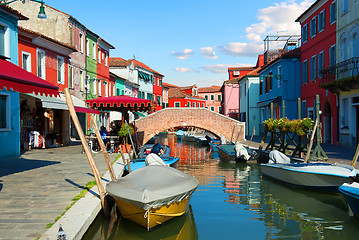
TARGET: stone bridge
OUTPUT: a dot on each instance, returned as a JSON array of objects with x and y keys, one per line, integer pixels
[{"x": 167, "y": 118}]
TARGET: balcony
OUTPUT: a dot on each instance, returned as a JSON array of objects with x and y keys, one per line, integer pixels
[{"x": 343, "y": 76}]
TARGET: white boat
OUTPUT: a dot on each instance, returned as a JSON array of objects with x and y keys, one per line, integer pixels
[
  {"x": 318, "y": 175},
  {"x": 351, "y": 195}
]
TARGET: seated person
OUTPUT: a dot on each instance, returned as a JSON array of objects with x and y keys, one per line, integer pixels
[
  {"x": 157, "y": 149},
  {"x": 103, "y": 133}
]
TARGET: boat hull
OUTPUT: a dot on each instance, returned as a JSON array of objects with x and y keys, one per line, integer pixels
[
  {"x": 351, "y": 196},
  {"x": 305, "y": 179},
  {"x": 154, "y": 216},
  {"x": 139, "y": 163}
]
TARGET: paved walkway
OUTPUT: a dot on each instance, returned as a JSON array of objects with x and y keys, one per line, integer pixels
[{"x": 37, "y": 187}]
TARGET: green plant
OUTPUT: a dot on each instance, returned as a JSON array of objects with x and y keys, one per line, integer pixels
[
  {"x": 298, "y": 126},
  {"x": 123, "y": 133}
]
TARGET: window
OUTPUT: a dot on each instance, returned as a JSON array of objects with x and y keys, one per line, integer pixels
[
  {"x": 159, "y": 100},
  {"x": 219, "y": 97},
  {"x": 87, "y": 47},
  {"x": 219, "y": 109},
  {"x": 304, "y": 109},
  {"x": 305, "y": 33},
  {"x": 26, "y": 61},
  {"x": 344, "y": 6},
  {"x": 321, "y": 21},
  {"x": 188, "y": 104},
  {"x": 313, "y": 68},
  {"x": 60, "y": 70},
  {"x": 212, "y": 108},
  {"x": 198, "y": 105},
  {"x": 81, "y": 44},
  {"x": 71, "y": 30},
  {"x": 71, "y": 81},
  {"x": 345, "y": 109},
  {"x": 279, "y": 83},
  {"x": 177, "y": 104},
  {"x": 106, "y": 59},
  {"x": 193, "y": 104},
  {"x": 203, "y": 105},
  {"x": 261, "y": 86},
  {"x": 118, "y": 92},
  {"x": 94, "y": 51},
  {"x": 4, "y": 112},
  {"x": 99, "y": 88},
  {"x": 99, "y": 55},
  {"x": 82, "y": 81},
  {"x": 332, "y": 55},
  {"x": 94, "y": 86},
  {"x": 333, "y": 12},
  {"x": 305, "y": 72},
  {"x": 313, "y": 27},
  {"x": 41, "y": 63},
  {"x": 268, "y": 82},
  {"x": 106, "y": 89},
  {"x": 212, "y": 97},
  {"x": 236, "y": 73},
  {"x": 195, "y": 92},
  {"x": 87, "y": 83},
  {"x": 355, "y": 45},
  {"x": 2, "y": 40},
  {"x": 344, "y": 49},
  {"x": 206, "y": 97},
  {"x": 320, "y": 63}
]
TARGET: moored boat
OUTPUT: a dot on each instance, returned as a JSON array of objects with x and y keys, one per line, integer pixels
[
  {"x": 153, "y": 194},
  {"x": 351, "y": 195},
  {"x": 318, "y": 175},
  {"x": 141, "y": 162},
  {"x": 147, "y": 148}
]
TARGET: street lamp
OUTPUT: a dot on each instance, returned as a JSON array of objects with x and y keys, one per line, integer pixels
[{"x": 41, "y": 15}]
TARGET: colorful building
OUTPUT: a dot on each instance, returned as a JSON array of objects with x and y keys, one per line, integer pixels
[
  {"x": 213, "y": 97},
  {"x": 230, "y": 91},
  {"x": 185, "y": 97},
  {"x": 341, "y": 77},
  {"x": 318, "y": 51},
  {"x": 157, "y": 90},
  {"x": 280, "y": 82}
]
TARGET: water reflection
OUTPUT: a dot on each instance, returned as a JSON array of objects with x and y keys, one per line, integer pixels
[{"x": 234, "y": 202}]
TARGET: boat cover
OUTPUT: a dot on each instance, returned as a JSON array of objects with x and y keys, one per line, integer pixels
[
  {"x": 241, "y": 151},
  {"x": 278, "y": 157},
  {"x": 153, "y": 186},
  {"x": 154, "y": 159}
]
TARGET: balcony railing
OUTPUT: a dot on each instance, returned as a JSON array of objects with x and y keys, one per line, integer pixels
[{"x": 341, "y": 70}]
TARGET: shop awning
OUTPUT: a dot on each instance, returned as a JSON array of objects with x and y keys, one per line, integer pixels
[
  {"x": 268, "y": 101},
  {"x": 17, "y": 79},
  {"x": 120, "y": 103},
  {"x": 60, "y": 103}
]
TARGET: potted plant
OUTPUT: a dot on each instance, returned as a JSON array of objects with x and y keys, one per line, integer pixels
[{"x": 123, "y": 133}]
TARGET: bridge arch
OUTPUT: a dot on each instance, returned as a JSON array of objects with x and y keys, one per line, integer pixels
[{"x": 167, "y": 118}]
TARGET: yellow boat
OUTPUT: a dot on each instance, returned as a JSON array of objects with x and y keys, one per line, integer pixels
[{"x": 153, "y": 194}]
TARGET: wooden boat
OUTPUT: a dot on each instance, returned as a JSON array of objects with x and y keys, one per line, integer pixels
[
  {"x": 141, "y": 162},
  {"x": 318, "y": 175},
  {"x": 179, "y": 134},
  {"x": 351, "y": 195},
  {"x": 153, "y": 194},
  {"x": 227, "y": 152}
]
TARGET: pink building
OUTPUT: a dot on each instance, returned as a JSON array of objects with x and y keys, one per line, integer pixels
[{"x": 213, "y": 97}]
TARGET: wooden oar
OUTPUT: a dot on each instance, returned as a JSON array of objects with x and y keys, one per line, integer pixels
[
  {"x": 355, "y": 156},
  {"x": 103, "y": 148},
  {"x": 311, "y": 140},
  {"x": 86, "y": 147}
]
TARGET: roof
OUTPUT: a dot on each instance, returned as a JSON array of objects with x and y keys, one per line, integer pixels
[
  {"x": 14, "y": 12},
  {"x": 46, "y": 37},
  {"x": 142, "y": 65},
  {"x": 167, "y": 85},
  {"x": 186, "y": 87},
  {"x": 118, "y": 62},
  {"x": 178, "y": 93},
  {"x": 233, "y": 80},
  {"x": 241, "y": 68},
  {"x": 306, "y": 11},
  {"x": 209, "y": 89},
  {"x": 295, "y": 53}
]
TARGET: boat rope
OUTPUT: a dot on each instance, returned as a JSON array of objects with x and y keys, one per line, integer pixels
[{"x": 147, "y": 215}]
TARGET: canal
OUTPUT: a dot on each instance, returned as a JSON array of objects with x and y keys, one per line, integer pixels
[{"x": 233, "y": 201}]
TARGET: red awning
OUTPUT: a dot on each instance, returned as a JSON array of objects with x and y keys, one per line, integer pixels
[
  {"x": 86, "y": 110},
  {"x": 17, "y": 79},
  {"x": 118, "y": 103}
]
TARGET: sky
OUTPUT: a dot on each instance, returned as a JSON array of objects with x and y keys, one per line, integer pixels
[{"x": 188, "y": 41}]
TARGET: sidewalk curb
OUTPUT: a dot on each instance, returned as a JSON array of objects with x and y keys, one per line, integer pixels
[{"x": 80, "y": 216}]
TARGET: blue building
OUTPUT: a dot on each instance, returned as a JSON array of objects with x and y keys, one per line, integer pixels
[{"x": 280, "y": 81}]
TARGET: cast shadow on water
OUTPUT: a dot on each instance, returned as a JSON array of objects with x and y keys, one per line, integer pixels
[
  {"x": 17, "y": 165},
  {"x": 116, "y": 227}
]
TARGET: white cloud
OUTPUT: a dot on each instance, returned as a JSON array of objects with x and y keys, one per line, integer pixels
[
  {"x": 222, "y": 68},
  {"x": 278, "y": 19},
  {"x": 184, "y": 69},
  {"x": 182, "y": 54},
  {"x": 208, "y": 52}
]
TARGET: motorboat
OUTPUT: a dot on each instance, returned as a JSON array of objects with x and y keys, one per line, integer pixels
[
  {"x": 153, "y": 194},
  {"x": 148, "y": 148},
  {"x": 315, "y": 175},
  {"x": 351, "y": 195}
]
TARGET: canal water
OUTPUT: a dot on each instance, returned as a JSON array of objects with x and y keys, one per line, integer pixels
[{"x": 233, "y": 201}]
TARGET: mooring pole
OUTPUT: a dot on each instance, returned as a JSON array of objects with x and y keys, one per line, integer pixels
[
  {"x": 86, "y": 147},
  {"x": 129, "y": 134},
  {"x": 283, "y": 109},
  {"x": 299, "y": 105},
  {"x": 103, "y": 147},
  {"x": 271, "y": 110}
]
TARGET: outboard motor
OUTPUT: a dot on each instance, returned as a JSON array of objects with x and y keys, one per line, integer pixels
[
  {"x": 154, "y": 159},
  {"x": 354, "y": 179}
]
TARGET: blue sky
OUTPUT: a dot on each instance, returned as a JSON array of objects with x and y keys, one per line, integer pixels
[{"x": 188, "y": 41}]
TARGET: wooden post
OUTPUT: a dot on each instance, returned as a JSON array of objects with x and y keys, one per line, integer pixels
[
  {"x": 355, "y": 156},
  {"x": 129, "y": 134},
  {"x": 233, "y": 132},
  {"x": 299, "y": 105},
  {"x": 103, "y": 147},
  {"x": 124, "y": 160},
  {"x": 271, "y": 110},
  {"x": 283, "y": 109},
  {"x": 86, "y": 147},
  {"x": 311, "y": 141},
  {"x": 250, "y": 142},
  {"x": 317, "y": 115},
  {"x": 239, "y": 133}
]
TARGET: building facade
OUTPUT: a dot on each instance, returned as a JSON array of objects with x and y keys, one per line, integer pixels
[{"x": 213, "y": 97}]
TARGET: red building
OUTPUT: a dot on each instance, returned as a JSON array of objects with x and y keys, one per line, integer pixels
[
  {"x": 318, "y": 51},
  {"x": 157, "y": 90},
  {"x": 105, "y": 88},
  {"x": 185, "y": 97}
]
